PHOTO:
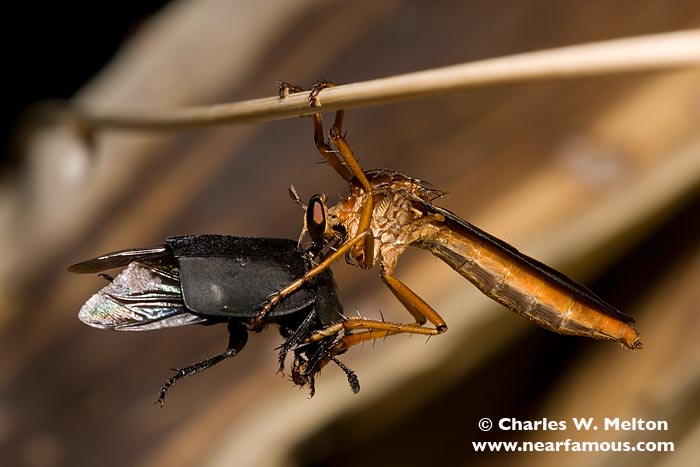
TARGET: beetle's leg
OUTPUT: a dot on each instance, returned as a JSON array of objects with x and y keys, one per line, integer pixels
[
  {"x": 274, "y": 299},
  {"x": 308, "y": 362},
  {"x": 238, "y": 336},
  {"x": 310, "y": 358},
  {"x": 304, "y": 370},
  {"x": 106, "y": 277},
  {"x": 353, "y": 380},
  {"x": 296, "y": 337}
]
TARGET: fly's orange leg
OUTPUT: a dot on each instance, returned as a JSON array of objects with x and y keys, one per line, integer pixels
[
  {"x": 350, "y": 166},
  {"x": 274, "y": 299},
  {"x": 373, "y": 329},
  {"x": 285, "y": 89},
  {"x": 366, "y": 215},
  {"x": 304, "y": 371},
  {"x": 418, "y": 307}
]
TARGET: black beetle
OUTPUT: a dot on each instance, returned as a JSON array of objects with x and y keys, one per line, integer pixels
[{"x": 210, "y": 279}]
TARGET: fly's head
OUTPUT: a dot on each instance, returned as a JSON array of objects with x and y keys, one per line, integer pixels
[{"x": 322, "y": 225}]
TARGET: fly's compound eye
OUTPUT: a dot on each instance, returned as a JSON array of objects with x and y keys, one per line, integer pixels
[{"x": 316, "y": 218}]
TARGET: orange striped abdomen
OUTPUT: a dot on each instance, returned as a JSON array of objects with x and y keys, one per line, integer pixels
[{"x": 526, "y": 290}]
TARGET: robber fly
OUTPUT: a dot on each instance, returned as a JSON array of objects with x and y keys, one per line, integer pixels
[
  {"x": 387, "y": 211},
  {"x": 210, "y": 279}
]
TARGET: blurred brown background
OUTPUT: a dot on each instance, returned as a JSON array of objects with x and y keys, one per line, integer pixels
[{"x": 596, "y": 176}]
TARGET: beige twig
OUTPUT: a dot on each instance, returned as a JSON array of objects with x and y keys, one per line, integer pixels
[{"x": 654, "y": 52}]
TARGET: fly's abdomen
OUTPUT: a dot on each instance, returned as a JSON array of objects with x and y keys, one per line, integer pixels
[{"x": 528, "y": 291}]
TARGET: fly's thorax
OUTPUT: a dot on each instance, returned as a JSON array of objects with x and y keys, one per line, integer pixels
[
  {"x": 395, "y": 224},
  {"x": 347, "y": 213}
]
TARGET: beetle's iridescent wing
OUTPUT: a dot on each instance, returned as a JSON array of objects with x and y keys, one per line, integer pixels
[{"x": 146, "y": 295}]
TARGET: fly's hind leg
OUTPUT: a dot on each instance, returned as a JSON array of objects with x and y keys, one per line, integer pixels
[
  {"x": 238, "y": 336},
  {"x": 370, "y": 330},
  {"x": 330, "y": 343},
  {"x": 418, "y": 307}
]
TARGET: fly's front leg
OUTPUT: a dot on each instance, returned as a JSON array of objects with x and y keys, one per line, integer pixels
[
  {"x": 348, "y": 167},
  {"x": 351, "y": 168},
  {"x": 367, "y": 209},
  {"x": 274, "y": 299},
  {"x": 285, "y": 89}
]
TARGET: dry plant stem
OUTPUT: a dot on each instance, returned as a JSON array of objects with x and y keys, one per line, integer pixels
[{"x": 653, "y": 52}]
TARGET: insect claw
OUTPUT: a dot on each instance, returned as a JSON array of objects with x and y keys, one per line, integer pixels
[
  {"x": 316, "y": 90},
  {"x": 285, "y": 89}
]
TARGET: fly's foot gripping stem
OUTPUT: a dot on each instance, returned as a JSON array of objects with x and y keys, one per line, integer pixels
[
  {"x": 286, "y": 89},
  {"x": 316, "y": 90}
]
